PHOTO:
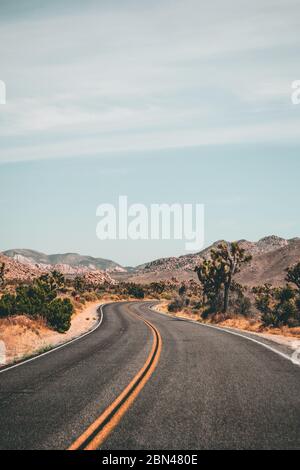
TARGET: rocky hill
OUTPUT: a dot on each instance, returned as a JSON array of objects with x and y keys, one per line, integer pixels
[
  {"x": 21, "y": 270},
  {"x": 14, "y": 270},
  {"x": 269, "y": 265},
  {"x": 271, "y": 256},
  {"x": 65, "y": 260},
  {"x": 188, "y": 262}
]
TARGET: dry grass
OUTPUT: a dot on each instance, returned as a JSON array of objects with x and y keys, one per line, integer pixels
[
  {"x": 185, "y": 313},
  {"x": 24, "y": 336},
  {"x": 256, "y": 326},
  {"x": 247, "y": 324}
]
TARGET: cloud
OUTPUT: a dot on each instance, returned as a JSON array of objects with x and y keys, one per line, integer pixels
[
  {"x": 147, "y": 75},
  {"x": 276, "y": 132}
]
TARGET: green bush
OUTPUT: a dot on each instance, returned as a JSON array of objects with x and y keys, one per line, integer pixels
[
  {"x": 240, "y": 304},
  {"x": 59, "y": 314},
  {"x": 288, "y": 313},
  {"x": 176, "y": 305},
  {"x": 270, "y": 319},
  {"x": 33, "y": 300},
  {"x": 2, "y": 275},
  {"x": 7, "y": 305},
  {"x": 39, "y": 299},
  {"x": 278, "y": 306},
  {"x": 90, "y": 296},
  {"x": 136, "y": 291}
]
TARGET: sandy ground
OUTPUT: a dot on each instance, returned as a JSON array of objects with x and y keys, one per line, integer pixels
[
  {"x": 21, "y": 337},
  {"x": 286, "y": 336}
]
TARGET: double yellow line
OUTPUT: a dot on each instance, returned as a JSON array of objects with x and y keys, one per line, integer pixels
[{"x": 100, "y": 429}]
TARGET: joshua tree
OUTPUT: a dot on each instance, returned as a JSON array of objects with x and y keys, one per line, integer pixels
[
  {"x": 2, "y": 274},
  {"x": 216, "y": 274},
  {"x": 293, "y": 275},
  {"x": 55, "y": 280},
  {"x": 210, "y": 278},
  {"x": 230, "y": 258}
]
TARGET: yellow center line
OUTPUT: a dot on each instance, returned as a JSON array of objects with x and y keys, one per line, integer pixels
[{"x": 100, "y": 429}]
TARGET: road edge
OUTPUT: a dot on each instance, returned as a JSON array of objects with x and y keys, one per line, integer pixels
[
  {"x": 99, "y": 309},
  {"x": 294, "y": 358}
]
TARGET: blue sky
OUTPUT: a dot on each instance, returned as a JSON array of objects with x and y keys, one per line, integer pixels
[{"x": 161, "y": 101}]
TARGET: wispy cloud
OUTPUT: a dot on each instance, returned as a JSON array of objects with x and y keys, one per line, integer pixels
[{"x": 148, "y": 75}]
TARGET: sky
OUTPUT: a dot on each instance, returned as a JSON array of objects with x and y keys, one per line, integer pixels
[{"x": 162, "y": 101}]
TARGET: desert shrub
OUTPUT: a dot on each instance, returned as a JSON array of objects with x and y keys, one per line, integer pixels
[
  {"x": 288, "y": 314},
  {"x": 176, "y": 305},
  {"x": 167, "y": 296},
  {"x": 239, "y": 303},
  {"x": 90, "y": 296},
  {"x": 196, "y": 304},
  {"x": 278, "y": 306},
  {"x": 79, "y": 284},
  {"x": 39, "y": 300},
  {"x": 135, "y": 291},
  {"x": 59, "y": 314},
  {"x": 2, "y": 275},
  {"x": 182, "y": 290},
  {"x": 33, "y": 300},
  {"x": 293, "y": 275},
  {"x": 284, "y": 294},
  {"x": 156, "y": 288},
  {"x": 270, "y": 319},
  {"x": 244, "y": 305},
  {"x": 214, "y": 305},
  {"x": 7, "y": 305}
]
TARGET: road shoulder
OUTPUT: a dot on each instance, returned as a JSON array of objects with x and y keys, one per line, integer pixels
[
  {"x": 282, "y": 345},
  {"x": 22, "y": 338}
]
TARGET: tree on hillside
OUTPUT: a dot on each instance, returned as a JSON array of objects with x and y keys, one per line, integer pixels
[
  {"x": 2, "y": 274},
  {"x": 182, "y": 290},
  {"x": 279, "y": 306},
  {"x": 210, "y": 278},
  {"x": 54, "y": 280},
  {"x": 293, "y": 275},
  {"x": 136, "y": 290},
  {"x": 39, "y": 299},
  {"x": 216, "y": 274},
  {"x": 79, "y": 284},
  {"x": 230, "y": 257},
  {"x": 157, "y": 287},
  {"x": 264, "y": 298}
]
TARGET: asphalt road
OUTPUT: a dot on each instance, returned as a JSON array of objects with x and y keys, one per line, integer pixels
[{"x": 198, "y": 388}]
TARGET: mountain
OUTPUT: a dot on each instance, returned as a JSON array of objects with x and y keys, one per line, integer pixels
[
  {"x": 14, "y": 270},
  {"x": 188, "y": 262},
  {"x": 271, "y": 256},
  {"x": 269, "y": 265},
  {"x": 74, "y": 260},
  {"x": 22, "y": 270}
]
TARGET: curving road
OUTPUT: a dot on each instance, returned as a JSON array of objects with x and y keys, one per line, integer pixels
[{"x": 148, "y": 381}]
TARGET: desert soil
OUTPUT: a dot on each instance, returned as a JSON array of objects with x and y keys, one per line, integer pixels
[
  {"x": 21, "y": 337},
  {"x": 286, "y": 336}
]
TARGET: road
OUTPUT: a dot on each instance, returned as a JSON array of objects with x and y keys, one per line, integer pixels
[{"x": 161, "y": 383}]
